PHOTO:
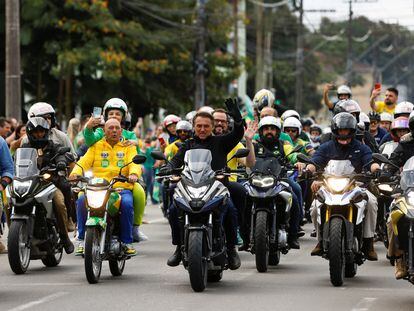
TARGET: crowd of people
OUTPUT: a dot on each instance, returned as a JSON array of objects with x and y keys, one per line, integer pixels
[{"x": 104, "y": 143}]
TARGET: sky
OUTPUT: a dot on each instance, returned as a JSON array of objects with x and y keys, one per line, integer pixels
[{"x": 390, "y": 11}]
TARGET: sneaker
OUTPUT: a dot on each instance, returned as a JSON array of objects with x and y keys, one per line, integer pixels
[
  {"x": 130, "y": 250},
  {"x": 138, "y": 235},
  {"x": 313, "y": 233},
  {"x": 301, "y": 232},
  {"x": 80, "y": 248}
]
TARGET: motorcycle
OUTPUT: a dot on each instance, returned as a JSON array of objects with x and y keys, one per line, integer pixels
[
  {"x": 33, "y": 230},
  {"x": 271, "y": 203},
  {"x": 340, "y": 204},
  {"x": 201, "y": 198},
  {"x": 402, "y": 210},
  {"x": 102, "y": 226}
]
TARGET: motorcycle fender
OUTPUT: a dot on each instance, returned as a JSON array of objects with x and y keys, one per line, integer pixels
[
  {"x": 96, "y": 222},
  {"x": 397, "y": 211},
  {"x": 45, "y": 198},
  {"x": 327, "y": 230},
  {"x": 287, "y": 197},
  {"x": 349, "y": 231},
  {"x": 361, "y": 211}
]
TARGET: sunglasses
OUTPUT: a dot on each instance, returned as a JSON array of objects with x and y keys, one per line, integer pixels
[
  {"x": 291, "y": 130},
  {"x": 181, "y": 131}
]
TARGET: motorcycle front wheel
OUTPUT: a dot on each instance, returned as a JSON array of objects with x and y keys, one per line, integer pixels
[
  {"x": 336, "y": 252},
  {"x": 116, "y": 266},
  {"x": 261, "y": 241},
  {"x": 93, "y": 260},
  {"x": 197, "y": 264},
  {"x": 18, "y": 248}
]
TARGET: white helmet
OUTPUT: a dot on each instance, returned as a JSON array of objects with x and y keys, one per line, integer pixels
[
  {"x": 207, "y": 109},
  {"x": 269, "y": 120},
  {"x": 289, "y": 113},
  {"x": 292, "y": 122},
  {"x": 363, "y": 117},
  {"x": 327, "y": 130},
  {"x": 40, "y": 109},
  {"x": 263, "y": 98},
  {"x": 344, "y": 89},
  {"x": 403, "y": 108},
  {"x": 386, "y": 117},
  {"x": 189, "y": 116},
  {"x": 115, "y": 103},
  {"x": 170, "y": 119},
  {"x": 184, "y": 126}
]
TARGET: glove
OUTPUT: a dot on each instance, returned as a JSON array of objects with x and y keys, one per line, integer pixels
[
  {"x": 61, "y": 166},
  {"x": 233, "y": 109}
]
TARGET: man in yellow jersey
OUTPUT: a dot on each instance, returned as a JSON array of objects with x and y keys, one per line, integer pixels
[
  {"x": 184, "y": 131},
  {"x": 389, "y": 103},
  {"x": 105, "y": 158}
]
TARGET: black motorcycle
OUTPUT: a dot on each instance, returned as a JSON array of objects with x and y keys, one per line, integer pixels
[{"x": 33, "y": 228}]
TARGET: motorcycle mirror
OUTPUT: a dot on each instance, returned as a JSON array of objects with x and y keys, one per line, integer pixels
[
  {"x": 378, "y": 157},
  {"x": 158, "y": 155},
  {"x": 241, "y": 153},
  {"x": 70, "y": 157},
  {"x": 139, "y": 159}
]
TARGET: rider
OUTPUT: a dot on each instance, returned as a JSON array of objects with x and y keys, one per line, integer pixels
[
  {"x": 184, "y": 130},
  {"x": 345, "y": 146},
  {"x": 402, "y": 109},
  {"x": 219, "y": 146},
  {"x": 295, "y": 114},
  {"x": 293, "y": 128},
  {"x": 271, "y": 112},
  {"x": 389, "y": 103},
  {"x": 315, "y": 132},
  {"x": 399, "y": 128},
  {"x": 374, "y": 129},
  {"x": 38, "y": 130},
  {"x": 116, "y": 108},
  {"x": 385, "y": 121},
  {"x": 269, "y": 145},
  {"x": 6, "y": 174},
  {"x": 343, "y": 92},
  {"x": 105, "y": 158}
]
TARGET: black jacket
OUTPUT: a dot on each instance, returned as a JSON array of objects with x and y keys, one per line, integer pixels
[
  {"x": 48, "y": 153},
  {"x": 402, "y": 153},
  {"x": 220, "y": 146}
]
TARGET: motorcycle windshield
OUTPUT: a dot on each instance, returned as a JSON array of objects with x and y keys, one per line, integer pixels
[
  {"x": 26, "y": 162},
  {"x": 407, "y": 175},
  {"x": 339, "y": 168},
  {"x": 389, "y": 147},
  {"x": 267, "y": 166},
  {"x": 198, "y": 165}
]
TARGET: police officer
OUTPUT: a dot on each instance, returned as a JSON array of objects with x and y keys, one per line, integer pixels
[{"x": 345, "y": 146}]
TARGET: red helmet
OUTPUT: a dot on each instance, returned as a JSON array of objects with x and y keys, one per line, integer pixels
[{"x": 170, "y": 119}]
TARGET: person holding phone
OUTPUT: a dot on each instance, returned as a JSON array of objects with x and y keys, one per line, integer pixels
[
  {"x": 343, "y": 92},
  {"x": 116, "y": 108},
  {"x": 389, "y": 103}
]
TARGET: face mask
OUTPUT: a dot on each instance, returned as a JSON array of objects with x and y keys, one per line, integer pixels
[{"x": 315, "y": 138}]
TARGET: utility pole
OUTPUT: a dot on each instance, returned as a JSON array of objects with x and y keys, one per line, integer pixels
[
  {"x": 349, "y": 51},
  {"x": 13, "y": 85},
  {"x": 240, "y": 49},
  {"x": 200, "y": 62},
  {"x": 268, "y": 50},
  {"x": 260, "y": 74},
  {"x": 299, "y": 62}
]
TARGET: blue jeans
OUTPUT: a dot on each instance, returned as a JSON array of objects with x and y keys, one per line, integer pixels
[
  {"x": 126, "y": 216},
  {"x": 149, "y": 176},
  {"x": 296, "y": 212}
]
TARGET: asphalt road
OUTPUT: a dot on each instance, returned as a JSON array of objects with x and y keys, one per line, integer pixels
[{"x": 300, "y": 282}]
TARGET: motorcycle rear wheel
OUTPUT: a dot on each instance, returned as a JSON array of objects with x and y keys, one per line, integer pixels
[
  {"x": 261, "y": 242},
  {"x": 336, "y": 252},
  {"x": 53, "y": 260},
  {"x": 18, "y": 250},
  {"x": 93, "y": 260},
  {"x": 197, "y": 265}
]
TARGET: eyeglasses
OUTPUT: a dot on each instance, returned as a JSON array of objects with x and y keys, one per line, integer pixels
[
  {"x": 220, "y": 121},
  {"x": 291, "y": 130}
]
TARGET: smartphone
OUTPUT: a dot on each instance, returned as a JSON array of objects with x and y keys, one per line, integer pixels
[
  {"x": 97, "y": 112},
  {"x": 161, "y": 140},
  {"x": 377, "y": 86}
]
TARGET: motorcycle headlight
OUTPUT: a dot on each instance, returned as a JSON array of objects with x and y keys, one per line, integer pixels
[
  {"x": 21, "y": 188},
  {"x": 263, "y": 182},
  {"x": 197, "y": 193},
  {"x": 96, "y": 198},
  {"x": 338, "y": 184}
]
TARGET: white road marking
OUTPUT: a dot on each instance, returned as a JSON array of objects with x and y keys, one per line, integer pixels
[
  {"x": 158, "y": 220},
  {"x": 45, "y": 284},
  {"x": 364, "y": 304},
  {"x": 38, "y": 302}
]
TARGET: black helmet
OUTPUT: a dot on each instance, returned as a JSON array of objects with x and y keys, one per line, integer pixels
[
  {"x": 36, "y": 123},
  {"x": 374, "y": 116},
  {"x": 341, "y": 121},
  {"x": 348, "y": 105}
]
